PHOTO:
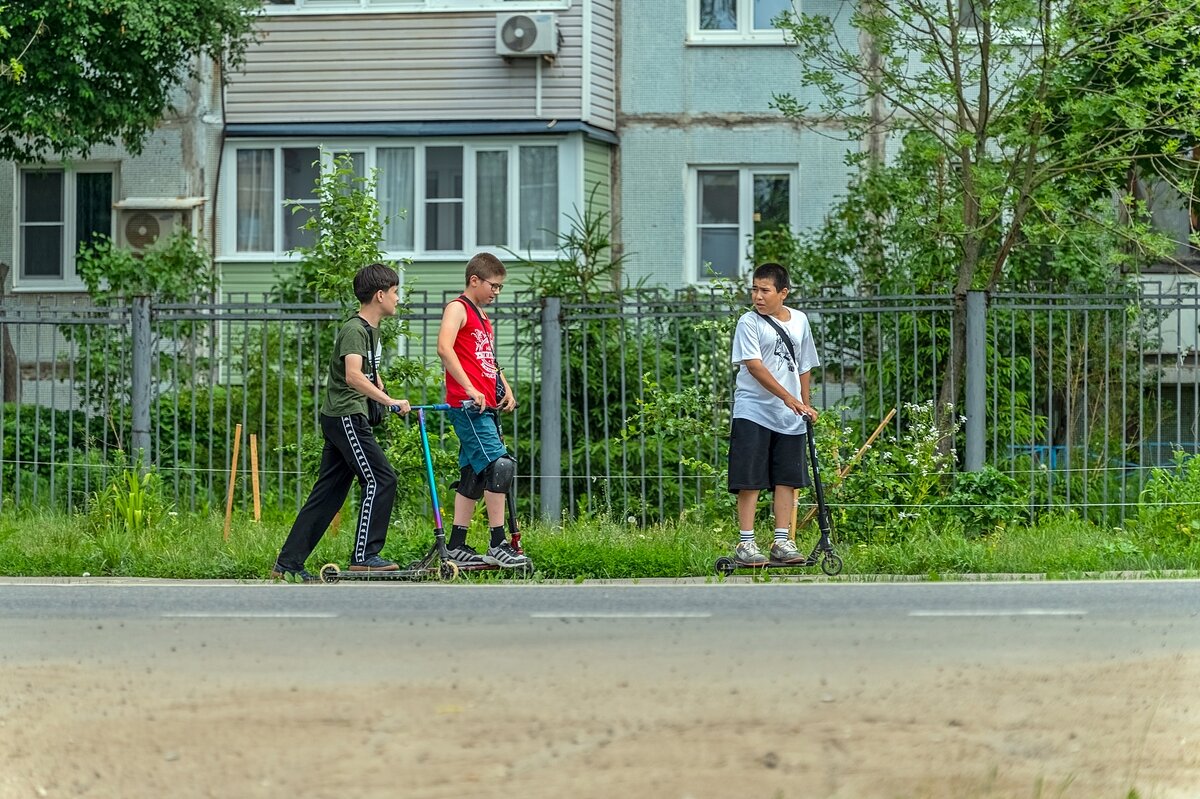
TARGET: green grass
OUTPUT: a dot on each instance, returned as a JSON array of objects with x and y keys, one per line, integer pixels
[{"x": 43, "y": 543}]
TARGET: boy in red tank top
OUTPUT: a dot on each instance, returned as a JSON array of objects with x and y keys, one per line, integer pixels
[{"x": 467, "y": 346}]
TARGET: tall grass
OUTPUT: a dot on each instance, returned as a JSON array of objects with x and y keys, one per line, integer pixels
[{"x": 41, "y": 543}]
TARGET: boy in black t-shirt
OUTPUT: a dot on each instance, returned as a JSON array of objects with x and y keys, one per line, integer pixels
[{"x": 350, "y": 447}]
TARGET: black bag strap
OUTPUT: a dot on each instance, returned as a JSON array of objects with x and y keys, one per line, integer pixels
[
  {"x": 787, "y": 339},
  {"x": 371, "y": 347},
  {"x": 479, "y": 315}
]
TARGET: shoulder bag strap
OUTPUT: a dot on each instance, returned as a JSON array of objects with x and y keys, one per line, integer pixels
[
  {"x": 371, "y": 347},
  {"x": 479, "y": 316},
  {"x": 787, "y": 339}
]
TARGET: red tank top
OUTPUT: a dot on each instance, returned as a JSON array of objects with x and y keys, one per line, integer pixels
[{"x": 475, "y": 346}]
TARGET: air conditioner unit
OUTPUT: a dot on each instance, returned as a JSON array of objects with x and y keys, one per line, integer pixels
[
  {"x": 141, "y": 227},
  {"x": 526, "y": 35}
]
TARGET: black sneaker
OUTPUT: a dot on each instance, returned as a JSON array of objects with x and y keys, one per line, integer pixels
[
  {"x": 506, "y": 557},
  {"x": 374, "y": 564},
  {"x": 465, "y": 557},
  {"x": 300, "y": 575}
]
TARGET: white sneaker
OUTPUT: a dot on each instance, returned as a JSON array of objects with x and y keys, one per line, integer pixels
[
  {"x": 506, "y": 557},
  {"x": 785, "y": 552},
  {"x": 747, "y": 554},
  {"x": 465, "y": 557}
]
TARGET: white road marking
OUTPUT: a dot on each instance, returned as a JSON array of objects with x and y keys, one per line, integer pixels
[
  {"x": 620, "y": 615},
  {"x": 995, "y": 613},
  {"x": 249, "y": 615}
]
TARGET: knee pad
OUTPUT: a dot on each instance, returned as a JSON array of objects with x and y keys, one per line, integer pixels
[
  {"x": 469, "y": 484},
  {"x": 499, "y": 475}
]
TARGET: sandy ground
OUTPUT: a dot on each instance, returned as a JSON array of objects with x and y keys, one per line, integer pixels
[{"x": 112, "y": 729}]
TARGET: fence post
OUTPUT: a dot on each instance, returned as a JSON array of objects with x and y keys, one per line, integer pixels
[
  {"x": 976, "y": 379},
  {"x": 551, "y": 410},
  {"x": 140, "y": 388}
]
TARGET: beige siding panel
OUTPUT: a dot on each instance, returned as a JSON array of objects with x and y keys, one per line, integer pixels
[
  {"x": 399, "y": 68},
  {"x": 603, "y": 80}
]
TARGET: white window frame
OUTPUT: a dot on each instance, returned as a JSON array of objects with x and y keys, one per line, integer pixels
[
  {"x": 301, "y": 7},
  {"x": 1015, "y": 37},
  {"x": 692, "y": 272},
  {"x": 569, "y": 180},
  {"x": 745, "y": 33},
  {"x": 70, "y": 280}
]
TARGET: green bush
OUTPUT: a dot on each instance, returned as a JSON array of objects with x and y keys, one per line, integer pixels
[
  {"x": 1168, "y": 507},
  {"x": 984, "y": 501}
]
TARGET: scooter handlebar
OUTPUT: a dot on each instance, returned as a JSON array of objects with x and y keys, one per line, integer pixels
[{"x": 467, "y": 405}]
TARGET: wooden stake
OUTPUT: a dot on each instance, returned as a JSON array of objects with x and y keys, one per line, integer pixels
[
  {"x": 237, "y": 442},
  {"x": 254, "y": 477},
  {"x": 841, "y": 475},
  {"x": 336, "y": 523}
]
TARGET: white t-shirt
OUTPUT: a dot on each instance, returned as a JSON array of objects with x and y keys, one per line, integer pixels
[{"x": 755, "y": 339}]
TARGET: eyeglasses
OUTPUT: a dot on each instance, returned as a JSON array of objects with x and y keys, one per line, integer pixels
[{"x": 496, "y": 287}]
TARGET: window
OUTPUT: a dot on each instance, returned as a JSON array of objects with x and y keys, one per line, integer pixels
[
  {"x": 732, "y": 205},
  {"x": 716, "y": 21},
  {"x": 435, "y": 198},
  {"x": 1015, "y": 30},
  {"x": 61, "y": 209},
  {"x": 352, "y": 6}
]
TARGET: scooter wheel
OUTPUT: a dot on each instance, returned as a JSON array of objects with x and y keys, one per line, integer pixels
[
  {"x": 725, "y": 566},
  {"x": 447, "y": 571},
  {"x": 330, "y": 573},
  {"x": 831, "y": 564}
]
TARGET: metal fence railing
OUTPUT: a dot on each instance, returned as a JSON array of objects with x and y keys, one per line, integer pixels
[{"x": 623, "y": 404}]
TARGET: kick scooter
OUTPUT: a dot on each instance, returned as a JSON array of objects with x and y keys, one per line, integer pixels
[
  {"x": 822, "y": 553},
  {"x": 436, "y": 562}
]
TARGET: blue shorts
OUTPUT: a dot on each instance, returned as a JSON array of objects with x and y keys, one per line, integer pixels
[{"x": 478, "y": 439}]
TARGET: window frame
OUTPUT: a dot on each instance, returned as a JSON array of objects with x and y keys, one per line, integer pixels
[
  {"x": 70, "y": 280},
  {"x": 744, "y": 34},
  {"x": 692, "y": 274},
  {"x": 416, "y": 213},
  {"x": 1026, "y": 36},
  {"x": 302, "y": 7}
]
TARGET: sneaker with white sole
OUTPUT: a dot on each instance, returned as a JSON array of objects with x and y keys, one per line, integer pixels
[
  {"x": 374, "y": 564},
  {"x": 785, "y": 552},
  {"x": 465, "y": 557},
  {"x": 747, "y": 554},
  {"x": 506, "y": 557}
]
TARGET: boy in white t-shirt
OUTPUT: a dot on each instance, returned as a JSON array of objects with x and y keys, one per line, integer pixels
[{"x": 770, "y": 412}]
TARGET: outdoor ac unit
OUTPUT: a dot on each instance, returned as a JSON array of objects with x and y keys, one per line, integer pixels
[
  {"x": 526, "y": 34},
  {"x": 139, "y": 227}
]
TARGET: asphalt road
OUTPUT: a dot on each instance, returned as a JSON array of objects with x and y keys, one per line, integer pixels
[
  {"x": 955, "y": 652},
  {"x": 832, "y": 622}
]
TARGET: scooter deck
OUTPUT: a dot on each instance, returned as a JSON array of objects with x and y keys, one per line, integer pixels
[
  {"x": 488, "y": 567},
  {"x": 778, "y": 564},
  {"x": 828, "y": 560},
  {"x": 409, "y": 575}
]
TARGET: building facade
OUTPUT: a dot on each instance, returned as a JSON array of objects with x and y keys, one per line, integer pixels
[
  {"x": 705, "y": 161},
  {"x": 489, "y": 121}
]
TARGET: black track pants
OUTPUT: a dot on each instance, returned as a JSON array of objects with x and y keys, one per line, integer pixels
[{"x": 350, "y": 451}]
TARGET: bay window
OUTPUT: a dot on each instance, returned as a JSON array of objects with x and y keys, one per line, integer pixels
[{"x": 436, "y": 198}]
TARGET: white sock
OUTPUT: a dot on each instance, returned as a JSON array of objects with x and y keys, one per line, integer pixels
[
  {"x": 745, "y": 535},
  {"x": 781, "y": 534}
]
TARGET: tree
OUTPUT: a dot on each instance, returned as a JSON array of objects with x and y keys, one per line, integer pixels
[
  {"x": 1035, "y": 109},
  {"x": 87, "y": 72}
]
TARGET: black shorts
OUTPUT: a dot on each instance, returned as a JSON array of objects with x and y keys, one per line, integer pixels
[{"x": 760, "y": 458}]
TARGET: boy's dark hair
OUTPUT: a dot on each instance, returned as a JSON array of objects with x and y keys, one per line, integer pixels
[
  {"x": 372, "y": 278},
  {"x": 774, "y": 272},
  {"x": 485, "y": 266}
]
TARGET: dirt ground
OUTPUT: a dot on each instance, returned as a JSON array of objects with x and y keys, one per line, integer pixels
[{"x": 75, "y": 729}]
